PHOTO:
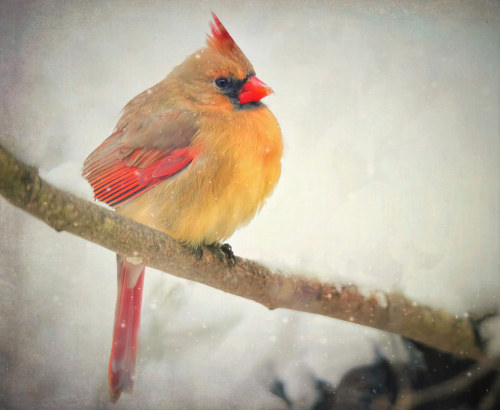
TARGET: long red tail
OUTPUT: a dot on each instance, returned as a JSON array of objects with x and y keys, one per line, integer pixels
[{"x": 126, "y": 329}]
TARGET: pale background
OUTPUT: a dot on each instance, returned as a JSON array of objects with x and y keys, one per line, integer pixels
[{"x": 390, "y": 116}]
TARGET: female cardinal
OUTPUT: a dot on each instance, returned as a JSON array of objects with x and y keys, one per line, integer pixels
[{"x": 195, "y": 156}]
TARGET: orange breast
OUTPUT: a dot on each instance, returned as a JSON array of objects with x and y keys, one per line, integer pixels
[{"x": 236, "y": 167}]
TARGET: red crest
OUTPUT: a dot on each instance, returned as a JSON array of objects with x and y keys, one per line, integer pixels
[{"x": 220, "y": 38}]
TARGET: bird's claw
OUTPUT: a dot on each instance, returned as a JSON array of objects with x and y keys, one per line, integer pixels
[
  {"x": 228, "y": 251},
  {"x": 198, "y": 252},
  {"x": 223, "y": 252}
]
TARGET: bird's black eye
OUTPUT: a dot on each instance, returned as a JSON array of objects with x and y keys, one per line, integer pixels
[{"x": 222, "y": 82}]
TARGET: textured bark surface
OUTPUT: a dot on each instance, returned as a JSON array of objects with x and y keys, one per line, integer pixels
[{"x": 22, "y": 186}]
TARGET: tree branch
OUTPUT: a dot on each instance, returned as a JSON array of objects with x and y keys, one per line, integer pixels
[
  {"x": 461, "y": 383},
  {"x": 23, "y": 187}
]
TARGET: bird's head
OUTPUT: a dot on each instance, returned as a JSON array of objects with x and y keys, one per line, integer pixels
[{"x": 219, "y": 76}]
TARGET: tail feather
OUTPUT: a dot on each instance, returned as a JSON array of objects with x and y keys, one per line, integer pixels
[{"x": 126, "y": 328}]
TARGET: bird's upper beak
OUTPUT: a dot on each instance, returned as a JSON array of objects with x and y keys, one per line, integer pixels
[{"x": 253, "y": 90}]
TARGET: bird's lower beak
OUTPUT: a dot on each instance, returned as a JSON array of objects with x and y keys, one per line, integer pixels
[{"x": 253, "y": 90}]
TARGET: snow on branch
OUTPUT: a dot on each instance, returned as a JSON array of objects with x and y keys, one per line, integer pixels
[{"x": 22, "y": 186}]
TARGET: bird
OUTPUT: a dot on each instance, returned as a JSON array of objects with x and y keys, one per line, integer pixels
[{"x": 195, "y": 156}]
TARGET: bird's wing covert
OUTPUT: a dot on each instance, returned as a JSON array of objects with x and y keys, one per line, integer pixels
[{"x": 140, "y": 156}]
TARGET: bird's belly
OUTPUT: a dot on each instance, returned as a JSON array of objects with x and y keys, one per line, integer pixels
[
  {"x": 198, "y": 206},
  {"x": 236, "y": 167}
]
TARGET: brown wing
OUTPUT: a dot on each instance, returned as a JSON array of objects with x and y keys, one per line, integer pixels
[{"x": 139, "y": 156}]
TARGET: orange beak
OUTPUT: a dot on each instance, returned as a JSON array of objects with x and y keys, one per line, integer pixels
[{"x": 253, "y": 90}]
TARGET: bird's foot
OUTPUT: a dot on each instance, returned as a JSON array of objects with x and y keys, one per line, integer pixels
[{"x": 223, "y": 252}]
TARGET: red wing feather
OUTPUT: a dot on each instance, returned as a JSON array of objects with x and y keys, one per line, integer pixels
[
  {"x": 121, "y": 183},
  {"x": 119, "y": 172}
]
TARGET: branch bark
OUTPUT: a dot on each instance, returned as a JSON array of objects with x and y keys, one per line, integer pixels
[{"x": 22, "y": 186}]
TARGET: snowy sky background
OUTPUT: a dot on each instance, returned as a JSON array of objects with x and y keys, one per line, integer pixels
[{"x": 390, "y": 117}]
